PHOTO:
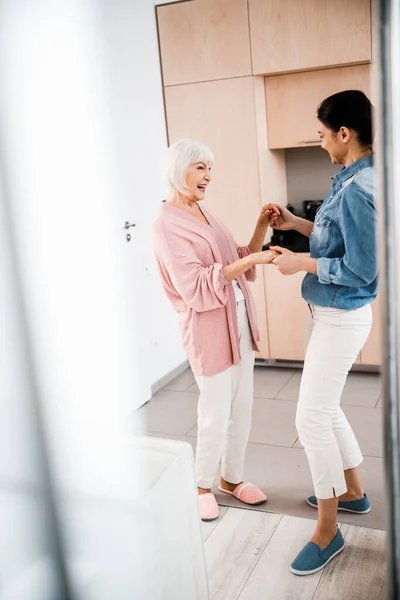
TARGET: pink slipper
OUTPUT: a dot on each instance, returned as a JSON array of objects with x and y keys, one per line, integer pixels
[
  {"x": 247, "y": 493},
  {"x": 209, "y": 509}
]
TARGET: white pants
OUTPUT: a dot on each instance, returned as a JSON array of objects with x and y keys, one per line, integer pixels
[
  {"x": 336, "y": 339},
  {"x": 224, "y": 414}
]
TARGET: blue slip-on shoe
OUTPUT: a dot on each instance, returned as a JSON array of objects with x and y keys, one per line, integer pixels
[
  {"x": 312, "y": 558},
  {"x": 360, "y": 507}
]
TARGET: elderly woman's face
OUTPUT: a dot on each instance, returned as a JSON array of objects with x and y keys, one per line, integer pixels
[{"x": 197, "y": 179}]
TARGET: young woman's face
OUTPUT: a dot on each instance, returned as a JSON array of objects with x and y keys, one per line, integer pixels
[
  {"x": 334, "y": 143},
  {"x": 198, "y": 177}
]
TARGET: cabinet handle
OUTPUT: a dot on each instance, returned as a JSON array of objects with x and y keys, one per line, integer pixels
[{"x": 311, "y": 142}]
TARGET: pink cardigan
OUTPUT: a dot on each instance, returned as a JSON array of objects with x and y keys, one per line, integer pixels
[{"x": 190, "y": 264}]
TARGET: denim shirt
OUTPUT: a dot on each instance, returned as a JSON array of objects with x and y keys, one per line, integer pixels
[{"x": 343, "y": 241}]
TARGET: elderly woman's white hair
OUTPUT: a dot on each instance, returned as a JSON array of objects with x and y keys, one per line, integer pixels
[{"x": 178, "y": 159}]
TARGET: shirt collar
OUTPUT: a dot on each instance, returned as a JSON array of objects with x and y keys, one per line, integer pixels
[{"x": 352, "y": 169}]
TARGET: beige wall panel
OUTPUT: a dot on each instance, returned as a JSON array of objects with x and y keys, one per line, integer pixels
[
  {"x": 295, "y": 35},
  {"x": 221, "y": 114},
  {"x": 292, "y": 102},
  {"x": 204, "y": 40}
]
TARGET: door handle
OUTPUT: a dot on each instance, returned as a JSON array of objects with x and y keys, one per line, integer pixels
[{"x": 127, "y": 225}]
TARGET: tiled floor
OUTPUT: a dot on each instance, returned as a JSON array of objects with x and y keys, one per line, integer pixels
[
  {"x": 248, "y": 556},
  {"x": 275, "y": 459}
]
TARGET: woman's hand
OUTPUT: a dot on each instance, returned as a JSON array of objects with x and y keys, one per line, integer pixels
[
  {"x": 267, "y": 211},
  {"x": 287, "y": 262},
  {"x": 281, "y": 218},
  {"x": 264, "y": 258}
]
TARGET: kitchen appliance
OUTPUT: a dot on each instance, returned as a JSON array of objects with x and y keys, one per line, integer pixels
[
  {"x": 292, "y": 240},
  {"x": 310, "y": 208}
]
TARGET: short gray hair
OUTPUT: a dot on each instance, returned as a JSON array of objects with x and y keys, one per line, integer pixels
[{"x": 180, "y": 156}]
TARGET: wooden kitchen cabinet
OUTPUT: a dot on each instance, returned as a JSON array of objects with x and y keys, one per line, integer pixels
[
  {"x": 289, "y": 320},
  {"x": 222, "y": 115},
  {"x": 292, "y": 102},
  {"x": 371, "y": 354},
  {"x": 288, "y": 315},
  {"x": 298, "y": 35},
  {"x": 204, "y": 40}
]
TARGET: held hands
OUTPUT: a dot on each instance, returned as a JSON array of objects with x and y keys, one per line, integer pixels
[
  {"x": 287, "y": 262},
  {"x": 281, "y": 218},
  {"x": 267, "y": 212},
  {"x": 265, "y": 257}
]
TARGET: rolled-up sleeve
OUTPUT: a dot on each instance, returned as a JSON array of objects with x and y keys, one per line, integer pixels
[
  {"x": 357, "y": 221},
  {"x": 250, "y": 274},
  {"x": 202, "y": 288}
]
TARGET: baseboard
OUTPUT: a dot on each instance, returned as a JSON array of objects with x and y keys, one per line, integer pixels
[
  {"x": 158, "y": 385},
  {"x": 298, "y": 364}
]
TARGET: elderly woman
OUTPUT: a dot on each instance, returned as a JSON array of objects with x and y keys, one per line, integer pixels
[
  {"x": 340, "y": 284},
  {"x": 205, "y": 273}
]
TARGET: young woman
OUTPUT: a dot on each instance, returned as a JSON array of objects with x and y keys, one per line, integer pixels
[
  {"x": 341, "y": 282},
  {"x": 205, "y": 274}
]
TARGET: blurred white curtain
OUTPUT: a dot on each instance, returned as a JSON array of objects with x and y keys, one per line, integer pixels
[{"x": 68, "y": 325}]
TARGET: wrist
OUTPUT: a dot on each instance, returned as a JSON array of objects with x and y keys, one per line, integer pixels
[
  {"x": 262, "y": 226},
  {"x": 251, "y": 259},
  {"x": 308, "y": 264},
  {"x": 296, "y": 223},
  {"x": 303, "y": 263}
]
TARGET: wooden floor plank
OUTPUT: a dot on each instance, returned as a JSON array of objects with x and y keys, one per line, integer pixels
[
  {"x": 271, "y": 578},
  {"x": 233, "y": 549},
  {"x": 359, "y": 572},
  {"x": 207, "y": 527}
]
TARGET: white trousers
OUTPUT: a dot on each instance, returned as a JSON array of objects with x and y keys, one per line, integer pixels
[
  {"x": 224, "y": 414},
  {"x": 336, "y": 338}
]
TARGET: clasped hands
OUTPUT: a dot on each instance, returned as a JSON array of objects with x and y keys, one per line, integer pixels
[{"x": 278, "y": 217}]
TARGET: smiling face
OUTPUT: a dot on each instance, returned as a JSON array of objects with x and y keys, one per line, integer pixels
[
  {"x": 335, "y": 143},
  {"x": 198, "y": 176}
]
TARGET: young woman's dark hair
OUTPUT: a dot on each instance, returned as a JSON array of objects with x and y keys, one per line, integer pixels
[{"x": 350, "y": 109}]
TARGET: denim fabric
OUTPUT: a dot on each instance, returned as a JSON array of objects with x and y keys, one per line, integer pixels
[{"x": 343, "y": 241}]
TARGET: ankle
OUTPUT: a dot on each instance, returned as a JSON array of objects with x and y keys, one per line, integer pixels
[
  {"x": 201, "y": 491},
  {"x": 226, "y": 485},
  {"x": 324, "y": 535},
  {"x": 351, "y": 495}
]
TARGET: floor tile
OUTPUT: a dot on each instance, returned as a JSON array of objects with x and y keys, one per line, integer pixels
[
  {"x": 271, "y": 578},
  {"x": 362, "y": 389},
  {"x": 182, "y": 382},
  {"x": 268, "y": 381},
  {"x": 207, "y": 527},
  {"x": 273, "y": 422},
  {"x": 290, "y": 391},
  {"x": 359, "y": 572},
  {"x": 233, "y": 549},
  {"x": 194, "y": 388},
  {"x": 367, "y": 424},
  {"x": 284, "y": 475},
  {"x": 171, "y": 412}
]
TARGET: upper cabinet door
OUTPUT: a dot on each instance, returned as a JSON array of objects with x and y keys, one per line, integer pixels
[
  {"x": 292, "y": 102},
  {"x": 204, "y": 40},
  {"x": 296, "y": 35}
]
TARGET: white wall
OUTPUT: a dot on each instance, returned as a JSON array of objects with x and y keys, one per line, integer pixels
[
  {"x": 164, "y": 352},
  {"x": 145, "y": 141}
]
